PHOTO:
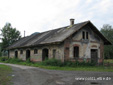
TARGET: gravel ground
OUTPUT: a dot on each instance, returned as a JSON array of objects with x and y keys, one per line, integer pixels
[{"x": 26, "y": 75}]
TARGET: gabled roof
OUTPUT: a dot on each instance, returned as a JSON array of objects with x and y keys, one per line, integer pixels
[{"x": 53, "y": 36}]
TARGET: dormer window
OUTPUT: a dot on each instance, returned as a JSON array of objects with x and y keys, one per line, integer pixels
[{"x": 85, "y": 35}]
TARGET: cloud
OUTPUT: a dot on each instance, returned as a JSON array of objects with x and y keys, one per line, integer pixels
[{"x": 42, "y": 15}]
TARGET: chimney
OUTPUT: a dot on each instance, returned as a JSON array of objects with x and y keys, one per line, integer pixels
[{"x": 71, "y": 22}]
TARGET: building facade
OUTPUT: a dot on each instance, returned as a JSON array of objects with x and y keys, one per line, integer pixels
[{"x": 82, "y": 42}]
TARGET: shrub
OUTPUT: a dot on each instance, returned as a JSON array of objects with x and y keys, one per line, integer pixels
[
  {"x": 52, "y": 62},
  {"x": 3, "y": 58},
  {"x": 13, "y": 60},
  {"x": 77, "y": 63},
  {"x": 28, "y": 61}
]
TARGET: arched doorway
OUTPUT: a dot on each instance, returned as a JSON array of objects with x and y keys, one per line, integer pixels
[
  {"x": 27, "y": 54},
  {"x": 16, "y": 54},
  {"x": 45, "y": 54}
]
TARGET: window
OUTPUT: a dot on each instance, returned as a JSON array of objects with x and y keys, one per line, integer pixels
[
  {"x": 35, "y": 51},
  {"x": 76, "y": 52},
  {"x": 54, "y": 53},
  {"x": 21, "y": 51},
  {"x": 86, "y": 35},
  {"x": 83, "y": 35}
]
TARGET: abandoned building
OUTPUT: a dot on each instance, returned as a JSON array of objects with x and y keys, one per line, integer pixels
[{"x": 81, "y": 41}]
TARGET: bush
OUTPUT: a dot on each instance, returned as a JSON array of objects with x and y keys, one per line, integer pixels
[
  {"x": 77, "y": 63},
  {"x": 49, "y": 62},
  {"x": 55, "y": 62},
  {"x": 3, "y": 58},
  {"x": 13, "y": 60},
  {"x": 52, "y": 62},
  {"x": 28, "y": 61}
]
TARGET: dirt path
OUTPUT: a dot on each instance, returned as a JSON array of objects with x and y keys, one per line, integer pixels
[{"x": 26, "y": 75}]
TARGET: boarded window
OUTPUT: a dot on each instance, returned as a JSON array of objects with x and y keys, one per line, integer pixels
[
  {"x": 86, "y": 35},
  {"x": 76, "y": 52},
  {"x": 54, "y": 53},
  {"x": 83, "y": 35},
  {"x": 35, "y": 51},
  {"x": 21, "y": 51}
]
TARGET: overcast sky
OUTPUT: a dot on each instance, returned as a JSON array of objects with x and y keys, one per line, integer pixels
[{"x": 42, "y": 15}]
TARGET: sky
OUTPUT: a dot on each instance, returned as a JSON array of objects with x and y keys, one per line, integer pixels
[{"x": 42, "y": 15}]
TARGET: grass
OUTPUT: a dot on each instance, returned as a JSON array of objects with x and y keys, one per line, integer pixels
[
  {"x": 51, "y": 64},
  {"x": 4, "y": 75},
  {"x": 80, "y": 68},
  {"x": 108, "y": 60}
]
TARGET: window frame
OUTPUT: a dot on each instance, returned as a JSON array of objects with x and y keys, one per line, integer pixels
[{"x": 85, "y": 35}]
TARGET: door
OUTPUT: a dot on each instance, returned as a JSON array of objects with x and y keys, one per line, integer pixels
[
  {"x": 27, "y": 54},
  {"x": 45, "y": 54},
  {"x": 94, "y": 55},
  {"x": 76, "y": 52}
]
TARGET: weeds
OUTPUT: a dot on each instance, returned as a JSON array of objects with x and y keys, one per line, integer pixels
[
  {"x": 48, "y": 62},
  {"x": 54, "y": 64}
]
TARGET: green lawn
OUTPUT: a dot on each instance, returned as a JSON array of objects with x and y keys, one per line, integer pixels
[{"x": 4, "y": 75}]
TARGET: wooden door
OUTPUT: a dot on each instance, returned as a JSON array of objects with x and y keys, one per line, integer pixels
[{"x": 94, "y": 55}]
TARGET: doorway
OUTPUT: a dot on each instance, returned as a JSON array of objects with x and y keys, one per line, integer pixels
[
  {"x": 76, "y": 52},
  {"x": 45, "y": 54},
  {"x": 94, "y": 55},
  {"x": 27, "y": 54},
  {"x": 16, "y": 54}
]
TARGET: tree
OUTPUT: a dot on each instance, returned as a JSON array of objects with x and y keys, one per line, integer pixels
[
  {"x": 107, "y": 31},
  {"x": 9, "y": 35}
]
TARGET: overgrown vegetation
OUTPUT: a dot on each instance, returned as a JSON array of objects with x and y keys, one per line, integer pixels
[
  {"x": 54, "y": 64},
  {"x": 107, "y": 31},
  {"x": 49, "y": 62},
  {"x": 4, "y": 75}
]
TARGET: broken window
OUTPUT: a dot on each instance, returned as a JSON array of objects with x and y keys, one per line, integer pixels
[
  {"x": 76, "y": 52},
  {"x": 35, "y": 51},
  {"x": 21, "y": 51},
  {"x": 54, "y": 53}
]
